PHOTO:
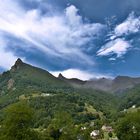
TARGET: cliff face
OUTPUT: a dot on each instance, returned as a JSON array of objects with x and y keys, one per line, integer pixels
[{"x": 17, "y": 65}]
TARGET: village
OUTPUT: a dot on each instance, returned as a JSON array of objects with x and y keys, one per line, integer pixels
[{"x": 105, "y": 133}]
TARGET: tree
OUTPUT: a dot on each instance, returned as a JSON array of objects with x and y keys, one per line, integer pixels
[
  {"x": 17, "y": 123},
  {"x": 62, "y": 127},
  {"x": 129, "y": 127},
  {"x": 110, "y": 134}
]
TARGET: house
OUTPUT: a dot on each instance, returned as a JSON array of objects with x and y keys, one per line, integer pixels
[
  {"x": 94, "y": 134},
  {"x": 103, "y": 127},
  {"x": 107, "y": 128},
  {"x": 83, "y": 128},
  {"x": 125, "y": 110},
  {"x": 92, "y": 124},
  {"x": 134, "y": 106},
  {"x": 45, "y": 94}
]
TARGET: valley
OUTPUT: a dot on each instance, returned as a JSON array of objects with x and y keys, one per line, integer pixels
[{"x": 66, "y": 109}]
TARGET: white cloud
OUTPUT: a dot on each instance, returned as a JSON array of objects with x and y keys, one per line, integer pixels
[
  {"x": 112, "y": 59},
  {"x": 118, "y": 47},
  {"x": 76, "y": 73},
  {"x": 72, "y": 17},
  {"x": 59, "y": 35},
  {"x": 116, "y": 42},
  {"x": 130, "y": 25},
  {"x": 7, "y": 59}
]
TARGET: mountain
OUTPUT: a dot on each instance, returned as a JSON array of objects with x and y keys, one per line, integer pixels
[
  {"x": 22, "y": 75},
  {"x": 48, "y": 94},
  {"x": 118, "y": 85},
  {"x": 124, "y": 83},
  {"x": 99, "y": 84},
  {"x": 73, "y": 81},
  {"x": 86, "y": 102},
  {"x": 25, "y": 81},
  {"x": 130, "y": 98}
]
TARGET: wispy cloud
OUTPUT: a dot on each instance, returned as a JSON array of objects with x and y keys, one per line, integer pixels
[
  {"x": 118, "y": 47},
  {"x": 60, "y": 35},
  {"x": 117, "y": 42},
  {"x": 74, "y": 43},
  {"x": 129, "y": 26},
  {"x": 6, "y": 58}
]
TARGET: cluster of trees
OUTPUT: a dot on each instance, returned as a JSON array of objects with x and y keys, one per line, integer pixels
[
  {"x": 128, "y": 127},
  {"x": 46, "y": 107},
  {"x": 19, "y": 119},
  {"x": 18, "y": 125},
  {"x": 130, "y": 98}
]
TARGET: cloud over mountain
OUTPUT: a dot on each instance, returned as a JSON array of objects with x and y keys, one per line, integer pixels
[{"x": 65, "y": 36}]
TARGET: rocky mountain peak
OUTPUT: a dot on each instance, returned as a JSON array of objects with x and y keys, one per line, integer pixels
[
  {"x": 17, "y": 64},
  {"x": 19, "y": 61},
  {"x": 60, "y": 76}
]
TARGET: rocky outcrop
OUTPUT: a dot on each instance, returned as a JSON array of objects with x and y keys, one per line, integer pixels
[
  {"x": 17, "y": 65},
  {"x": 10, "y": 84}
]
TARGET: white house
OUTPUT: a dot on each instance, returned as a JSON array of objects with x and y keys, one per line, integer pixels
[
  {"x": 134, "y": 106},
  {"x": 95, "y": 133},
  {"x": 107, "y": 128}
]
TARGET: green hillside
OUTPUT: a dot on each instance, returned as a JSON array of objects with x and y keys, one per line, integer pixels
[
  {"x": 131, "y": 98},
  {"x": 55, "y": 99}
]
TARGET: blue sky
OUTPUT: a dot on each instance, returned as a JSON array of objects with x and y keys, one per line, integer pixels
[{"x": 82, "y": 39}]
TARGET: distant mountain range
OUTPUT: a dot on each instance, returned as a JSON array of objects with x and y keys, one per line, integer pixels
[
  {"x": 34, "y": 77},
  {"x": 117, "y": 85},
  {"x": 48, "y": 94}
]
